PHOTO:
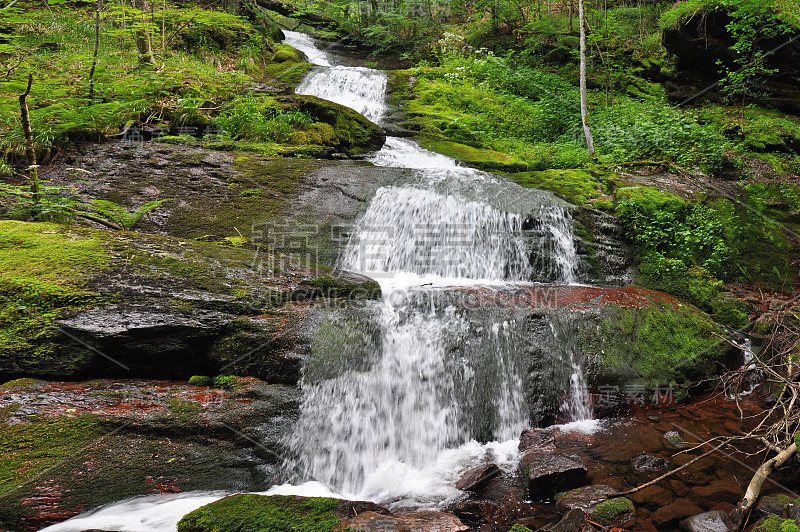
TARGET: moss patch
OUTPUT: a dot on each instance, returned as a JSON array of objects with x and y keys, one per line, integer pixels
[
  {"x": 773, "y": 523},
  {"x": 656, "y": 346},
  {"x": 579, "y": 187},
  {"x": 484, "y": 159},
  {"x": 258, "y": 513},
  {"x": 30, "y": 448},
  {"x": 607, "y": 512}
]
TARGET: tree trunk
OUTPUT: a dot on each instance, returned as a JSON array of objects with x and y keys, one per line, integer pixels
[
  {"x": 30, "y": 150},
  {"x": 587, "y": 131},
  {"x": 96, "y": 50},
  {"x": 143, "y": 44}
]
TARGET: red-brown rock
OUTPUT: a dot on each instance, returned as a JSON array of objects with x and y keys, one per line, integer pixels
[
  {"x": 672, "y": 513},
  {"x": 476, "y": 478}
]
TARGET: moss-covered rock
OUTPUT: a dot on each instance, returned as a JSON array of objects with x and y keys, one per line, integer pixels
[
  {"x": 106, "y": 303},
  {"x": 663, "y": 345},
  {"x": 354, "y": 133},
  {"x": 276, "y": 513},
  {"x": 481, "y": 158},
  {"x": 773, "y": 523},
  {"x": 614, "y": 512}
]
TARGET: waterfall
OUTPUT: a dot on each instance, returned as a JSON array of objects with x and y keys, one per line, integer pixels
[
  {"x": 378, "y": 423},
  {"x": 402, "y": 395}
]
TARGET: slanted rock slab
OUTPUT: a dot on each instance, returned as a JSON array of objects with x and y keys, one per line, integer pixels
[
  {"x": 477, "y": 477},
  {"x": 548, "y": 474}
]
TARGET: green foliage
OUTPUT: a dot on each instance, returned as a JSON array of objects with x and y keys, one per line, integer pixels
[
  {"x": 686, "y": 9},
  {"x": 228, "y": 382},
  {"x": 657, "y": 132},
  {"x": 200, "y": 380},
  {"x": 261, "y": 119},
  {"x": 55, "y": 203},
  {"x": 259, "y": 513},
  {"x": 120, "y": 215}
]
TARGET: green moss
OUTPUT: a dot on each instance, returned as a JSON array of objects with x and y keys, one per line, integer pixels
[
  {"x": 520, "y": 528},
  {"x": 43, "y": 268},
  {"x": 258, "y": 513},
  {"x": 485, "y": 159},
  {"x": 656, "y": 346},
  {"x": 21, "y": 383},
  {"x": 579, "y": 187},
  {"x": 200, "y": 380},
  {"x": 607, "y": 512},
  {"x": 773, "y": 523},
  {"x": 229, "y": 382},
  {"x": 183, "y": 406},
  {"x": 354, "y": 134},
  {"x": 30, "y": 448}
]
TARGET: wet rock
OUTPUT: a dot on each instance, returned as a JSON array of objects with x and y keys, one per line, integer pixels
[
  {"x": 652, "y": 497},
  {"x": 646, "y": 463},
  {"x": 476, "y": 478},
  {"x": 475, "y": 513},
  {"x": 672, "y": 513},
  {"x": 574, "y": 521},
  {"x": 792, "y": 511},
  {"x": 716, "y": 492},
  {"x": 414, "y": 522},
  {"x": 709, "y": 522},
  {"x": 584, "y": 498},
  {"x": 539, "y": 440},
  {"x": 548, "y": 474},
  {"x": 674, "y": 438},
  {"x": 772, "y": 504},
  {"x": 618, "y": 512}
]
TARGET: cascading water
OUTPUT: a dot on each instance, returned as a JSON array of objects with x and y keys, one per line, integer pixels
[
  {"x": 440, "y": 378},
  {"x": 398, "y": 395}
]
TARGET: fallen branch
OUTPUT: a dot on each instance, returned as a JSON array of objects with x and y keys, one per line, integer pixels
[
  {"x": 92, "y": 218},
  {"x": 759, "y": 477},
  {"x": 670, "y": 473}
]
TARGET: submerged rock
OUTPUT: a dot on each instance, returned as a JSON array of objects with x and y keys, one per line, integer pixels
[
  {"x": 715, "y": 521},
  {"x": 614, "y": 512},
  {"x": 584, "y": 498},
  {"x": 414, "y": 522},
  {"x": 646, "y": 463}
]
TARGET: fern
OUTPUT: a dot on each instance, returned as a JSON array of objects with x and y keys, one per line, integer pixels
[{"x": 118, "y": 214}]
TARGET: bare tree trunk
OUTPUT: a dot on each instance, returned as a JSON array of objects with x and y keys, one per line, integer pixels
[
  {"x": 587, "y": 131},
  {"x": 143, "y": 44},
  {"x": 571, "y": 28},
  {"x": 754, "y": 488},
  {"x": 30, "y": 150},
  {"x": 96, "y": 50}
]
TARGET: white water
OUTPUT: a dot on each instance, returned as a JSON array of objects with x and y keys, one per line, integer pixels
[{"x": 401, "y": 428}]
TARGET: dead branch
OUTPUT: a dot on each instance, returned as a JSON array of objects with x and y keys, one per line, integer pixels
[
  {"x": 754, "y": 488},
  {"x": 669, "y": 473}
]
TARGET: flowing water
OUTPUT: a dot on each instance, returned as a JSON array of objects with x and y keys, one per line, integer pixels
[{"x": 402, "y": 396}]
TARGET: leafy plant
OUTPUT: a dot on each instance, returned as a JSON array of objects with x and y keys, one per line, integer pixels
[{"x": 116, "y": 213}]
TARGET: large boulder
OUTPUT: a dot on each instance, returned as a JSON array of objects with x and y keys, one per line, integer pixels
[{"x": 95, "y": 303}]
